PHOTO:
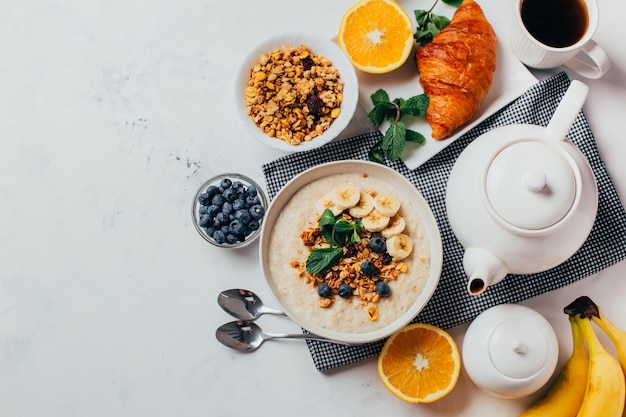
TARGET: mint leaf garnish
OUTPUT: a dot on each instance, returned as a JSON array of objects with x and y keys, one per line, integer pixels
[
  {"x": 337, "y": 231},
  {"x": 415, "y": 137},
  {"x": 430, "y": 24},
  {"x": 392, "y": 144},
  {"x": 321, "y": 259}
]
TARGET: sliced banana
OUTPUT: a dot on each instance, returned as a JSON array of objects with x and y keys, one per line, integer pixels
[
  {"x": 328, "y": 202},
  {"x": 387, "y": 204},
  {"x": 364, "y": 206},
  {"x": 346, "y": 195},
  {"x": 375, "y": 221},
  {"x": 399, "y": 246},
  {"x": 395, "y": 227}
]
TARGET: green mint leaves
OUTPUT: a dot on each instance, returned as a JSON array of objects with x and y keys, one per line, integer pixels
[
  {"x": 338, "y": 232},
  {"x": 392, "y": 144},
  {"x": 323, "y": 258},
  {"x": 429, "y": 24}
]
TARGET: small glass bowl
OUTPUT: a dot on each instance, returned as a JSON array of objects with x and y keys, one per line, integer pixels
[{"x": 195, "y": 209}]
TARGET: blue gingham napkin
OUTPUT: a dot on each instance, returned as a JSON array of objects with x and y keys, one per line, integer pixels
[{"x": 451, "y": 304}]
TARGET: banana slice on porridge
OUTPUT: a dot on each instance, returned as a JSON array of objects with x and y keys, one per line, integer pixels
[
  {"x": 364, "y": 206},
  {"x": 346, "y": 195},
  {"x": 396, "y": 225},
  {"x": 387, "y": 204}
]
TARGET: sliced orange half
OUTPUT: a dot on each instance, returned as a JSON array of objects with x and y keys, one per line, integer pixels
[
  {"x": 420, "y": 363},
  {"x": 377, "y": 35}
]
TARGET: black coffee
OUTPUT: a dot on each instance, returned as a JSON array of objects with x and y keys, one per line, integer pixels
[{"x": 556, "y": 23}]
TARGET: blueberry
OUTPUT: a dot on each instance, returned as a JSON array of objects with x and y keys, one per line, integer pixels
[
  {"x": 203, "y": 209},
  {"x": 243, "y": 216},
  {"x": 239, "y": 204},
  {"x": 382, "y": 289},
  {"x": 230, "y": 194},
  {"x": 387, "y": 259},
  {"x": 252, "y": 200},
  {"x": 237, "y": 185},
  {"x": 221, "y": 219},
  {"x": 237, "y": 227},
  {"x": 226, "y": 183},
  {"x": 212, "y": 190},
  {"x": 212, "y": 210},
  {"x": 218, "y": 200},
  {"x": 252, "y": 190},
  {"x": 226, "y": 229},
  {"x": 345, "y": 291},
  {"x": 368, "y": 268},
  {"x": 253, "y": 225},
  {"x": 206, "y": 221},
  {"x": 204, "y": 199},
  {"x": 257, "y": 211},
  {"x": 378, "y": 244},
  {"x": 231, "y": 239},
  {"x": 227, "y": 207},
  {"x": 219, "y": 237},
  {"x": 323, "y": 290},
  {"x": 210, "y": 231}
]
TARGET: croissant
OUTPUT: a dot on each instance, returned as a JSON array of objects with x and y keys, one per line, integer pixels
[{"x": 456, "y": 69}]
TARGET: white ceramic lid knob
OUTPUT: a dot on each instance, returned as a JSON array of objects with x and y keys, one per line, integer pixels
[
  {"x": 518, "y": 348},
  {"x": 535, "y": 180},
  {"x": 531, "y": 184}
]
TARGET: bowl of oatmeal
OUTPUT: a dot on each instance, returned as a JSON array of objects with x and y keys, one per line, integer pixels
[
  {"x": 295, "y": 91},
  {"x": 351, "y": 250}
]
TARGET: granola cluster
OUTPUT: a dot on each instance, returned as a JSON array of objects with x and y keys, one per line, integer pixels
[
  {"x": 293, "y": 94},
  {"x": 348, "y": 270}
]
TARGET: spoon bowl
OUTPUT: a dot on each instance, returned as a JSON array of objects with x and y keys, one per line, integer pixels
[
  {"x": 247, "y": 336},
  {"x": 244, "y": 305}
]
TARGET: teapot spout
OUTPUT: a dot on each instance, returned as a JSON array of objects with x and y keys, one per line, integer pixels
[{"x": 483, "y": 269}]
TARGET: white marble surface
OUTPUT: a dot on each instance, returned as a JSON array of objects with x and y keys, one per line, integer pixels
[{"x": 111, "y": 114}]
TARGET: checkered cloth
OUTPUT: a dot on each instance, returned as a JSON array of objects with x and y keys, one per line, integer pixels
[{"x": 451, "y": 304}]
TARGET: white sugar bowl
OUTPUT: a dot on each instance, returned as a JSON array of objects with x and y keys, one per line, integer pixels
[
  {"x": 522, "y": 198},
  {"x": 510, "y": 351}
]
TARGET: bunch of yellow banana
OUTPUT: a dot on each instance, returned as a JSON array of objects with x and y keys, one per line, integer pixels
[
  {"x": 378, "y": 213},
  {"x": 566, "y": 395},
  {"x": 590, "y": 384}
]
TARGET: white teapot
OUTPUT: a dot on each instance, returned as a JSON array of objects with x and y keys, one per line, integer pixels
[{"x": 522, "y": 199}]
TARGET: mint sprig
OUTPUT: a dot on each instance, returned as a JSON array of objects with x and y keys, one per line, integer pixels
[
  {"x": 338, "y": 232},
  {"x": 429, "y": 24},
  {"x": 392, "y": 144}
]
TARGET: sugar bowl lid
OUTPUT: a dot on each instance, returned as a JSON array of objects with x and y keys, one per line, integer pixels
[{"x": 510, "y": 351}]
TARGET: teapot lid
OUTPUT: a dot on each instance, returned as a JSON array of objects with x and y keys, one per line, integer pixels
[
  {"x": 531, "y": 184},
  {"x": 519, "y": 349}
]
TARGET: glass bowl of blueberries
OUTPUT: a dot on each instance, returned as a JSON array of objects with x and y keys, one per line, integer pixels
[{"x": 228, "y": 210}]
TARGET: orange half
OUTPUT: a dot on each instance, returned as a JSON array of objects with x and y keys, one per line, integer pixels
[
  {"x": 377, "y": 35},
  {"x": 420, "y": 363}
]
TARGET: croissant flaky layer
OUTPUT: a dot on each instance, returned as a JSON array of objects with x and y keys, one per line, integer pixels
[{"x": 456, "y": 69}]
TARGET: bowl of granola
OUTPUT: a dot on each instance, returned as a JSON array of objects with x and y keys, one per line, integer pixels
[
  {"x": 296, "y": 91},
  {"x": 351, "y": 250}
]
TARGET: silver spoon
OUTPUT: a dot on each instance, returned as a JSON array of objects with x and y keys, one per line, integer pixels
[
  {"x": 244, "y": 304},
  {"x": 247, "y": 336}
]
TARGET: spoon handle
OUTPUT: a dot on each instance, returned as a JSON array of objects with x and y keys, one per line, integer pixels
[
  {"x": 307, "y": 337},
  {"x": 267, "y": 310}
]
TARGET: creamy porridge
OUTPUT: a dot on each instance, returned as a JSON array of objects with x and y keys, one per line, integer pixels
[{"x": 365, "y": 309}]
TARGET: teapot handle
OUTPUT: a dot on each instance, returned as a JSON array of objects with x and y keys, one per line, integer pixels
[{"x": 567, "y": 111}]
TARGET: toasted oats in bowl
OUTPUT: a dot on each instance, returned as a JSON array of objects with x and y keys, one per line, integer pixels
[
  {"x": 293, "y": 94},
  {"x": 296, "y": 91}
]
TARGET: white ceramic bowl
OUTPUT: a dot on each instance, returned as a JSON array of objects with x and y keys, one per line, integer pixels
[
  {"x": 319, "y": 45},
  {"x": 408, "y": 192}
]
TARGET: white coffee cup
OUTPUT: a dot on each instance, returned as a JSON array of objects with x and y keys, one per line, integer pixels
[{"x": 585, "y": 56}]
